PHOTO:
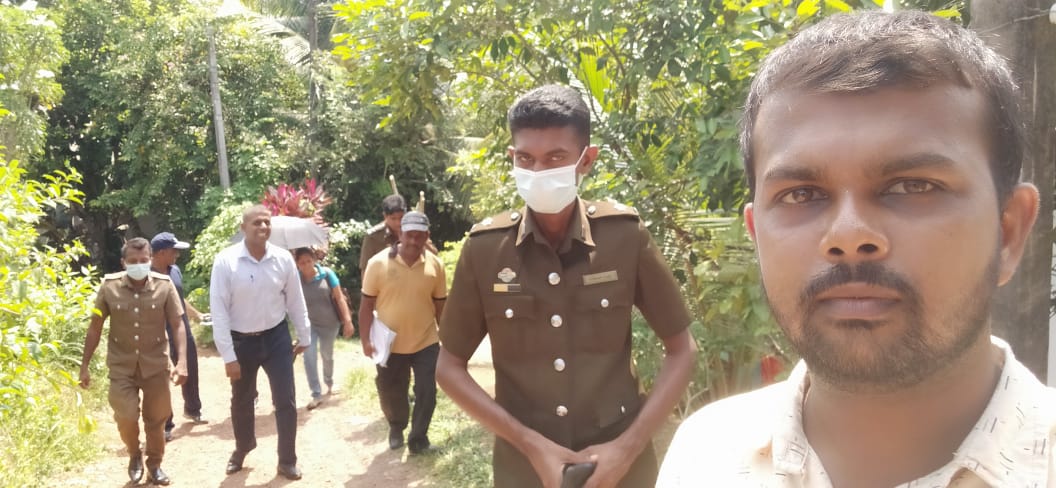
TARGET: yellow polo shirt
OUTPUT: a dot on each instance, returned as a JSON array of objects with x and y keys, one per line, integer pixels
[{"x": 405, "y": 297}]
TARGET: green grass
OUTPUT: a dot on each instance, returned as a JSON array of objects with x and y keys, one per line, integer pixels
[
  {"x": 464, "y": 447},
  {"x": 36, "y": 443}
]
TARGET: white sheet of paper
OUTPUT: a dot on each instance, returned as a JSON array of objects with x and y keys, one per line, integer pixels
[{"x": 381, "y": 337}]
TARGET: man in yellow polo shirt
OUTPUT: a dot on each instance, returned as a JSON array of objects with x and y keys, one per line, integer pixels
[{"x": 407, "y": 288}]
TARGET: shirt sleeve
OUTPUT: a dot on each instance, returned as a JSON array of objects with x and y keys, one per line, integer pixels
[
  {"x": 296, "y": 309},
  {"x": 100, "y": 301},
  {"x": 657, "y": 294},
  {"x": 372, "y": 278},
  {"x": 440, "y": 288},
  {"x": 462, "y": 325},
  {"x": 220, "y": 308},
  {"x": 173, "y": 306},
  {"x": 331, "y": 278}
]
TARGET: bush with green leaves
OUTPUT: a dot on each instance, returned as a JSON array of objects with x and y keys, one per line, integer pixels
[{"x": 45, "y": 303}]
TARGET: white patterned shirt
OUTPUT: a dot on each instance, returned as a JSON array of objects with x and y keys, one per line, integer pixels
[{"x": 757, "y": 440}]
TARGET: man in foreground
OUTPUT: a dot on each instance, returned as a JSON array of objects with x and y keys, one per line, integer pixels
[
  {"x": 553, "y": 286},
  {"x": 254, "y": 286},
  {"x": 138, "y": 304},
  {"x": 883, "y": 152}
]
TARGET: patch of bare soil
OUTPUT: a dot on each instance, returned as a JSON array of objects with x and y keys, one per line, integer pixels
[{"x": 337, "y": 445}]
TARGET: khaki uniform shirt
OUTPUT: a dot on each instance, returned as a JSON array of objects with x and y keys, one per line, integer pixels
[
  {"x": 560, "y": 325},
  {"x": 757, "y": 440},
  {"x": 137, "y": 336},
  {"x": 378, "y": 237}
]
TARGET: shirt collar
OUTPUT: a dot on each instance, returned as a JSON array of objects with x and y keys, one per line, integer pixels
[
  {"x": 148, "y": 286},
  {"x": 578, "y": 228},
  {"x": 1005, "y": 434},
  {"x": 269, "y": 251}
]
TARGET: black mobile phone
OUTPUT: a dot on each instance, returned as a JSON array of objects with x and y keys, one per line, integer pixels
[{"x": 576, "y": 475}]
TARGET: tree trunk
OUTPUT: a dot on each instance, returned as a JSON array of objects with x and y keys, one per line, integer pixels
[
  {"x": 1015, "y": 29},
  {"x": 313, "y": 99}
]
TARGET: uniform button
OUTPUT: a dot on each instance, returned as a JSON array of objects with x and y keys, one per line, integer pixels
[
  {"x": 559, "y": 364},
  {"x": 136, "y": 296},
  {"x": 137, "y": 351},
  {"x": 561, "y": 411},
  {"x": 135, "y": 324},
  {"x": 509, "y": 313},
  {"x": 514, "y": 216},
  {"x": 591, "y": 209},
  {"x": 623, "y": 409},
  {"x": 556, "y": 321},
  {"x": 486, "y": 221},
  {"x": 135, "y": 337},
  {"x": 604, "y": 303},
  {"x": 553, "y": 278},
  {"x": 136, "y": 310}
]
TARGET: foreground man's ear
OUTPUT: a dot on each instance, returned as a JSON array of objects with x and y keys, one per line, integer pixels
[{"x": 1017, "y": 218}]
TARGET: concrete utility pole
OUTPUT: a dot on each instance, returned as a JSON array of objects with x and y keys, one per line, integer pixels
[
  {"x": 218, "y": 112},
  {"x": 1020, "y": 31}
]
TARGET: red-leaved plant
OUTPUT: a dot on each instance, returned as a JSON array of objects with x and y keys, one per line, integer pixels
[{"x": 307, "y": 201}]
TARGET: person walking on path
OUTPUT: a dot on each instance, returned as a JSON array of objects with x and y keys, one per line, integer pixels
[
  {"x": 254, "y": 286},
  {"x": 138, "y": 303},
  {"x": 165, "y": 250},
  {"x": 327, "y": 311},
  {"x": 386, "y": 233},
  {"x": 407, "y": 288},
  {"x": 553, "y": 285}
]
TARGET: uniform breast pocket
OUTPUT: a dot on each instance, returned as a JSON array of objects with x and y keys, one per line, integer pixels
[
  {"x": 604, "y": 323},
  {"x": 511, "y": 320}
]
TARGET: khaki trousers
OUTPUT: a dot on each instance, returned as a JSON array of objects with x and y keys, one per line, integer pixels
[{"x": 157, "y": 407}]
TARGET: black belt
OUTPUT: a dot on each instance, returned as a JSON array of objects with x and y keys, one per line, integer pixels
[{"x": 235, "y": 333}]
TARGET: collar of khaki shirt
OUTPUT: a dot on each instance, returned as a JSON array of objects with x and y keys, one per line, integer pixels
[
  {"x": 578, "y": 229},
  {"x": 1012, "y": 415},
  {"x": 147, "y": 286}
]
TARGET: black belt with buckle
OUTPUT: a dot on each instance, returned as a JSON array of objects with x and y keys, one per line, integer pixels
[{"x": 235, "y": 333}]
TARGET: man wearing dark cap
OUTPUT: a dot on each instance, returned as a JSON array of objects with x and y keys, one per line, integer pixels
[
  {"x": 167, "y": 249},
  {"x": 407, "y": 289}
]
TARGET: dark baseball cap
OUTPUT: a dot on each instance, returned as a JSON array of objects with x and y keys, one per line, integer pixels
[
  {"x": 412, "y": 221},
  {"x": 166, "y": 240}
]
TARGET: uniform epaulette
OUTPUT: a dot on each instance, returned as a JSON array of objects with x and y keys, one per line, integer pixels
[
  {"x": 604, "y": 208},
  {"x": 114, "y": 276},
  {"x": 160, "y": 276},
  {"x": 376, "y": 227},
  {"x": 504, "y": 220}
]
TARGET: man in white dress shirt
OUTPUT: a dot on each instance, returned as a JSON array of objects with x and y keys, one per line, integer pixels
[
  {"x": 883, "y": 153},
  {"x": 254, "y": 286}
]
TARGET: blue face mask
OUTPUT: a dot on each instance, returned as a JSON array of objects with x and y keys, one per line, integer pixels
[{"x": 138, "y": 271}]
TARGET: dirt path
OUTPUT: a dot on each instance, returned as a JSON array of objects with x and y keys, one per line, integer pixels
[{"x": 341, "y": 443}]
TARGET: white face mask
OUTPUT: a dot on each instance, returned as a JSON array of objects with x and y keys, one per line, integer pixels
[
  {"x": 138, "y": 271},
  {"x": 548, "y": 191}
]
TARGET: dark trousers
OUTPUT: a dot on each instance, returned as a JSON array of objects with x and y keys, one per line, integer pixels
[
  {"x": 393, "y": 382},
  {"x": 192, "y": 401},
  {"x": 273, "y": 351}
]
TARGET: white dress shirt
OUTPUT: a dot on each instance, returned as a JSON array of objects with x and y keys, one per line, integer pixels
[
  {"x": 246, "y": 295},
  {"x": 757, "y": 440}
]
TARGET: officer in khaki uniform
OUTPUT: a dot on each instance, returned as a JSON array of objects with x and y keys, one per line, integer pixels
[
  {"x": 385, "y": 233},
  {"x": 553, "y": 286},
  {"x": 138, "y": 303}
]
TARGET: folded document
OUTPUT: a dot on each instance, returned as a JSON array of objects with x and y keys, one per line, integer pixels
[{"x": 381, "y": 337}]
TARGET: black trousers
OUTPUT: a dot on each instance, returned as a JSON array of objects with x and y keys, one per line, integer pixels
[
  {"x": 272, "y": 351},
  {"x": 192, "y": 401},
  {"x": 393, "y": 382}
]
